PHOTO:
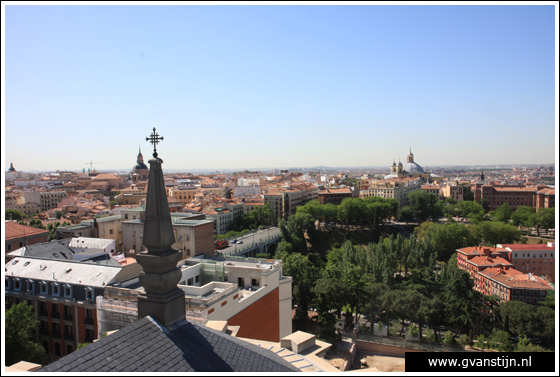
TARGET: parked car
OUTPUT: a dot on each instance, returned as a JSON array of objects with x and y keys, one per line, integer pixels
[{"x": 239, "y": 241}]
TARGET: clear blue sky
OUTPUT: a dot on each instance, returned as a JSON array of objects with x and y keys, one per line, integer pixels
[{"x": 278, "y": 86}]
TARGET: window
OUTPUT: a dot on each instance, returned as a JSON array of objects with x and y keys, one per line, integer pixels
[
  {"x": 89, "y": 294},
  {"x": 44, "y": 288},
  {"x": 57, "y": 349},
  {"x": 190, "y": 281},
  {"x": 67, "y": 291},
  {"x": 20, "y": 244},
  {"x": 111, "y": 231},
  {"x": 17, "y": 284},
  {"x": 46, "y": 345},
  {"x": 55, "y": 289},
  {"x": 54, "y": 308},
  {"x": 254, "y": 282},
  {"x": 126, "y": 216},
  {"x": 188, "y": 251},
  {"x": 197, "y": 279},
  {"x": 69, "y": 349},
  {"x": 89, "y": 314}
]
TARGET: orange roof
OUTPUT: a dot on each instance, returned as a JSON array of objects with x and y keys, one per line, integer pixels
[
  {"x": 15, "y": 230},
  {"x": 516, "y": 279},
  {"x": 489, "y": 261},
  {"x": 479, "y": 250}
]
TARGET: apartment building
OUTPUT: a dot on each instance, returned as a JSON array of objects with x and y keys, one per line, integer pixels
[
  {"x": 538, "y": 259},
  {"x": 452, "y": 191},
  {"x": 63, "y": 295},
  {"x": 250, "y": 294},
  {"x": 334, "y": 195},
  {"x": 494, "y": 274},
  {"x": 194, "y": 235},
  {"x": 46, "y": 199},
  {"x": 183, "y": 193},
  {"x": 513, "y": 285},
  {"x": 530, "y": 196},
  {"x": 393, "y": 188}
]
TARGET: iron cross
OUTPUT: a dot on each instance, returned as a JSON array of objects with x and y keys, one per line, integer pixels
[{"x": 154, "y": 138}]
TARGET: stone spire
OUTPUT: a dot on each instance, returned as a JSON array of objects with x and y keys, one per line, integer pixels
[
  {"x": 162, "y": 299},
  {"x": 11, "y": 167}
]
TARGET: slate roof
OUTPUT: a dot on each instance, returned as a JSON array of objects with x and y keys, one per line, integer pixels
[
  {"x": 147, "y": 346},
  {"x": 71, "y": 272}
]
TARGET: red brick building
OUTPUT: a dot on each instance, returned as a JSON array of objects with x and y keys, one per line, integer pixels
[
  {"x": 22, "y": 235},
  {"x": 538, "y": 259},
  {"x": 513, "y": 285},
  {"x": 334, "y": 196},
  {"x": 530, "y": 196},
  {"x": 494, "y": 274}
]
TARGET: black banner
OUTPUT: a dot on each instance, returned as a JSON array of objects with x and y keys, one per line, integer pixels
[{"x": 479, "y": 361}]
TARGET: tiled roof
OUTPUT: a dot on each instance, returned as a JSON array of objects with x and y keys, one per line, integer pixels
[
  {"x": 489, "y": 261},
  {"x": 516, "y": 279},
  {"x": 147, "y": 346},
  {"x": 15, "y": 230}
]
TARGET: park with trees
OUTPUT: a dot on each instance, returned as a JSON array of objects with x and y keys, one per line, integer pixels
[{"x": 414, "y": 281}]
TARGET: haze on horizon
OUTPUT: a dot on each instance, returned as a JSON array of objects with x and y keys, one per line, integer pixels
[{"x": 236, "y": 87}]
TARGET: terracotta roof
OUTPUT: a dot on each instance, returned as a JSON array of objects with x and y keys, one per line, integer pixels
[
  {"x": 516, "y": 279},
  {"x": 489, "y": 261},
  {"x": 15, "y": 230},
  {"x": 479, "y": 250}
]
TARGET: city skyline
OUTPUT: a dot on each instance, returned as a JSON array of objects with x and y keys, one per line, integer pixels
[{"x": 237, "y": 87}]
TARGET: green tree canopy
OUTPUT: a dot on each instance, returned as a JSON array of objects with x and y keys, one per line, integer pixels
[
  {"x": 14, "y": 214},
  {"x": 492, "y": 233},
  {"x": 502, "y": 213},
  {"x": 20, "y": 322}
]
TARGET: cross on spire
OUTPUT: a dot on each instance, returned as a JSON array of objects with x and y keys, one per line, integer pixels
[{"x": 154, "y": 138}]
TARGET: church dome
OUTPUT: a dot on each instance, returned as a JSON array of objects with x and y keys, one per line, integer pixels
[
  {"x": 413, "y": 168},
  {"x": 140, "y": 166}
]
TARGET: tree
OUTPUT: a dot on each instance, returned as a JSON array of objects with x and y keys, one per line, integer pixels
[
  {"x": 448, "y": 338},
  {"x": 447, "y": 238},
  {"x": 493, "y": 233},
  {"x": 471, "y": 210},
  {"x": 502, "y": 213},
  {"x": 422, "y": 204},
  {"x": 468, "y": 195},
  {"x": 20, "y": 323},
  {"x": 14, "y": 214},
  {"x": 544, "y": 219},
  {"x": 36, "y": 223},
  {"x": 407, "y": 214},
  {"x": 500, "y": 340},
  {"x": 522, "y": 216}
]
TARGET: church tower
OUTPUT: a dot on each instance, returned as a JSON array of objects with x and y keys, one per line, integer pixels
[{"x": 162, "y": 299}]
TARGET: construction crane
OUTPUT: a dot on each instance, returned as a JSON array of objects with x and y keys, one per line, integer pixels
[{"x": 91, "y": 164}]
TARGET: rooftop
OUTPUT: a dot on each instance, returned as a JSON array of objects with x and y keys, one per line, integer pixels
[{"x": 182, "y": 347}]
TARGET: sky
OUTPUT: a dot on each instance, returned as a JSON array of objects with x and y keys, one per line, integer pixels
[{"x": 278, "y": 86}]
